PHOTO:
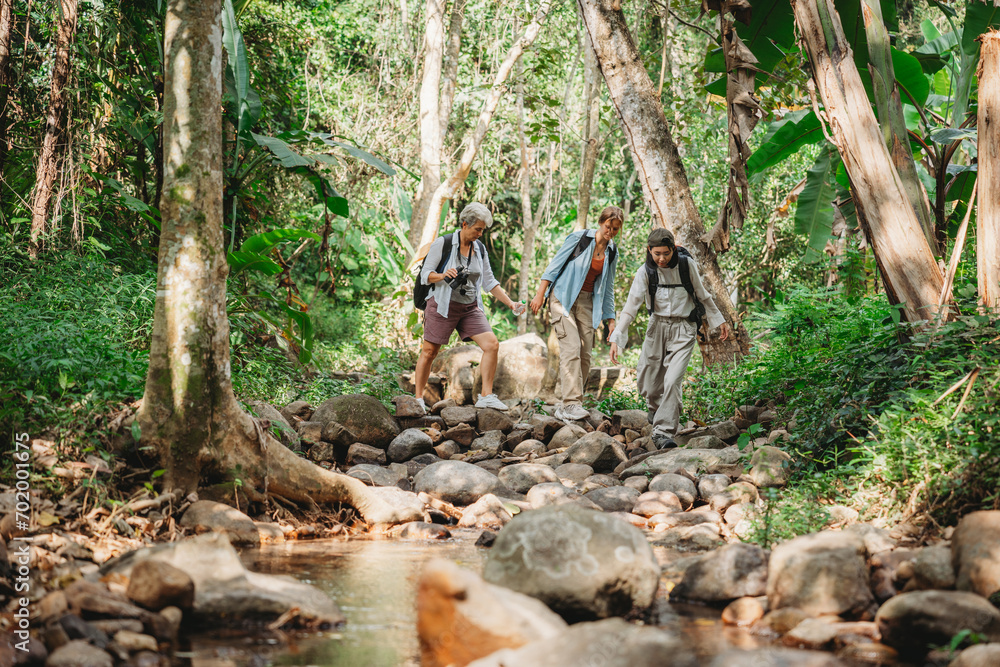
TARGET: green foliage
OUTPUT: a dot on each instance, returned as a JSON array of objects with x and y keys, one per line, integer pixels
[
  {"x": 788, "y": 513},
  {"x": 75, "y": 334},
  {"x": 621, "y": 400}
]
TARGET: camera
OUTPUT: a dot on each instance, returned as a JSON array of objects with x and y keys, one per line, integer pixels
[{"x": 460, "y": 279}]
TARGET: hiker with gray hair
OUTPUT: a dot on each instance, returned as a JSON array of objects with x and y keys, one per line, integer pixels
[
  {"x": 458, "y": 270},
  {"x": 671, "y": 287}
]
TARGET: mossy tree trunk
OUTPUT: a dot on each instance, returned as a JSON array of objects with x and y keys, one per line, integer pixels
[{"x": 189, "y": 412}]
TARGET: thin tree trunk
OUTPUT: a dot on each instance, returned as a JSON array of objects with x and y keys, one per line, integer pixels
[
  {"x": 910, "y": 270},
  {"x": 654, "y": 153},
  {"x": 449, "y": 76},
  {"x": 528, "y": 221},
  {"x": 430, "y": 118},
  {"x": 48, "y": 160},
  {"x": 189, "y": 413},
  {"x": 6, "y": 25},
  {"x": 988, "y": 218},
  {"x": 890, "y": 111},
  {"x": 591, "y": 129},
  {"x": 404, "y": 18},
  {"x": 449, "y": 188}
]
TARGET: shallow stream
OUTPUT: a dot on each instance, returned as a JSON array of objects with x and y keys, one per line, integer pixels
[{"x": 374, "y": 583}]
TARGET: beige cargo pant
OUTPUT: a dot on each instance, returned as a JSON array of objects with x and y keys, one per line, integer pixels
[
  {"x": 575, "y": 330},
  {"x": 662, "y": 365}
]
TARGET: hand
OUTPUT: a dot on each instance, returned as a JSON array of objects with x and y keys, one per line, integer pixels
[
  {"x": 614, "y": 353},
  {"x": 536, "y": 303},
  {"x": 611, "y": 326},
  {"x": 518, "y": 308},
  {"x": 724, "y": 331},
  {"x": 450, "y": 273}
]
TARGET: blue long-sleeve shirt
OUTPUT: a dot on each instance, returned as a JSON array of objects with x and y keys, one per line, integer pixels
[{"x": 567, "y": 288}]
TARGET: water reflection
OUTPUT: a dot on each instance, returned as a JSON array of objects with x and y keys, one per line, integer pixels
[{"x": 374, "y": 582}]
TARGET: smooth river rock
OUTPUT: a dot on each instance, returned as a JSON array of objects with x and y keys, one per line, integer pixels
[
  {"x": 362, "y": 415},
  {"x": 975, "y": 548},
  {"x": 457, "y": 482},
  {"x": 408, "y": 444},
  {"x": 734, "y": 571},
  {"x": 914, "y": 622},
  {"x": 461, "y": 618},
  {"x": 583, "y": 564},
  {"x": 520, "y": 477}
]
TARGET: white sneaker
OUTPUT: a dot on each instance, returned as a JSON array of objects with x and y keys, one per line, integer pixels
[
  {"x": 576, "y": 412},
  {"x": 423, "y": 406},
  {"x": 490, "y": 401},
  {"x": 561, "y": 415}
]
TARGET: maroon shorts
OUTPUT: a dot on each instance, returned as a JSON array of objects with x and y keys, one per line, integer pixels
[{"x": 467, "y": 318}]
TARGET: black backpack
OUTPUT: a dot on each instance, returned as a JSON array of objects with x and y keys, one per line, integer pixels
[
  {"x": 420, "y": 288},
  {"x": 653, "y": 280},
  {"x": 581, "y": 245}
]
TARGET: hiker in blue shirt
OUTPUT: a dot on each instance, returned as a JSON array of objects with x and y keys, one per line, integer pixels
[{"x": 579, "y": 282}]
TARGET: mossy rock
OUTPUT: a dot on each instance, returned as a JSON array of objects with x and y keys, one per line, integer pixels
[{"x": 362, "y": 415}]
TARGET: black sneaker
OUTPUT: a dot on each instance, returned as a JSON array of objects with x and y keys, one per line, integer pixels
[{"x": 663, "y": 441}]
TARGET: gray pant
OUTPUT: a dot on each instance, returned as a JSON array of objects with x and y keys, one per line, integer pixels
[
  {"x": 664, "y": 361},
  {"x": 575, "y": 330}
]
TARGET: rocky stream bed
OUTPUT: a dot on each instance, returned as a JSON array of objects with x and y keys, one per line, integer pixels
[{"x": 586, "y": 539}]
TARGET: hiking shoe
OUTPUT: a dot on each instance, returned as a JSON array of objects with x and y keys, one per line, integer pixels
[
  {"x": 575, "y": 412},
  {"x": 663, "y": 441},
  {"x": 490, "y": 401},
  {"x": 423, "y": 406},
  {"x": 561, "y": 415}
]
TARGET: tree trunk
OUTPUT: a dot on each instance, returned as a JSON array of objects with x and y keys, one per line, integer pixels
[
  {"x": 430, "y": 118},
  {"x": 48, "y": 160},
  {"x": 449, "y": 188},
  {"x": 449, "y": 77},
  {"x": 897, "y": 239},
  {"x": 988, "y": 218},
  {"x": 189, "y": 413},
  {"x": 591, "y": 131},
  {"x": 528, "y": 221},
  {"x": 890, "y": 111},
  {"x": 661, "y": 172},
  {"x": 6, "y": 25},
  {"x": 404, "y": 19}
]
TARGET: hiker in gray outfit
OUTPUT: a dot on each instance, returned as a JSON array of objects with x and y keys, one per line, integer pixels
[{"x": 671, "y": 334}]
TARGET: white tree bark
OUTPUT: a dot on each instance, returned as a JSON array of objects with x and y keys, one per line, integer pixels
[
  {"x": 430, "y": 117},
  {"x": 909, "y": 268},
  {"x": 664, "y": 181},
  {"x": 448, "y": 189},
  {"x": 591, "y": 130},
  {"x": 988, "y": 218},
  {"x": 449, "y": 76}
]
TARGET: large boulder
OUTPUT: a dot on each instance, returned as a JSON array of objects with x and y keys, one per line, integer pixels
[
  {"x": 734, "y": 571},
  {"x": 226, "y": 592},
  {"x": 461, "y": 618},
  {"x": 520, "y": 477},
  {"x": 914, "y": 622},
  {"x": 522, "y": 363},
  {"x": 598, "y": 450},
  {"x": 455, "y": 363},
  {"x": 612, "y": 642},
  {"x": 362, "y": 415},
  {"x": 822, "y": 573},
  {"x": 980, "y": 655},
  {"x": 975, "y": 548},
  {"x": 583, "y": 564},
  {"x": 457, "y": 482}
]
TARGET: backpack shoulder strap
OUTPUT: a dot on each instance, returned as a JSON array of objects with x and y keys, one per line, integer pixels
[
  {"x": 481, "y": 248},
  {"x": 684, "y": 268},
  {"x": 582, "y": 244},
  {"x": 652, "y": 282},
  {"x": 445, "y": 253}
]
